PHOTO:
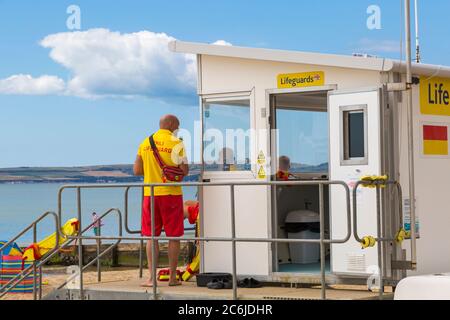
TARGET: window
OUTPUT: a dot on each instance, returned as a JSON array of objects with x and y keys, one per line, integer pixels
[
  {"x": 303, "y": 138},
  {"x": 354, "y": 135},
  {"x": 226, "y": 136}
]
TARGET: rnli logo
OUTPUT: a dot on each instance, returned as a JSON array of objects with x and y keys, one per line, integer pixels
[
  {"x": 305, "y": 79},
  {"x": 435, "y": 96}
]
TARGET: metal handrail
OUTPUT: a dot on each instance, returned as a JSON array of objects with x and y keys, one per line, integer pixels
[
  {"x": 128, "y": 230},
  {"x": 233, "y": 239},
  {"x": 99, "y": 255},
  {"x": 355, "y": 212},
  {"x": 379, "y": 237},
  {"x": 54, "y": 251},
  {"x": 32, "y": 268}
]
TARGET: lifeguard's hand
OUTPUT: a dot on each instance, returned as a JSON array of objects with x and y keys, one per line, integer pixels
[{"x": 186, "y": 205}]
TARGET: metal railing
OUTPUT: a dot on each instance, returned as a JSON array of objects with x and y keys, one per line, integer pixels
[
  {"x": 380, "y": 237},
  {"x": 233, "y": 239},
  {"x": 127, "y": 228},
  {"x": 15, "y": 281},
  {"x": 56, "y": 249},
  {"x": 130, "y": 231},
  {"x": 99, "y": 255}
]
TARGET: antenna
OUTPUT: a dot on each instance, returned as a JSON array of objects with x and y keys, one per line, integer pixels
[{"x": 417, "y": 31}]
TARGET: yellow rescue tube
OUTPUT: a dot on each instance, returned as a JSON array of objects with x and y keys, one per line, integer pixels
[
  {"x": 37, "y": 250},
  {"x": 192, "y": 268}
]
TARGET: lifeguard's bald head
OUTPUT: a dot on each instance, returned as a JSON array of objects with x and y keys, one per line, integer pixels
[{"x": 169, "y": 122}]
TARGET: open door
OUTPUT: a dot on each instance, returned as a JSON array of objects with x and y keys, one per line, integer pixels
[
  {"x": 300, "y": 149},
  {"x": 355, "y": 150}
]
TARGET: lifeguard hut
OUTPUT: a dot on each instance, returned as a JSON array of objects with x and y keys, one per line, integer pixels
[{"x": 336, "y": 118}]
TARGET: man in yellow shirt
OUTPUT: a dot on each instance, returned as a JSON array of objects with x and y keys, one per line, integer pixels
[{"x": 168, "y": 200}]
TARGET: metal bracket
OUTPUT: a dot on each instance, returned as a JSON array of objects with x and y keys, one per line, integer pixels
[
  {"x": 397, "y": 86},
  {"x": 401, "y": 265}
]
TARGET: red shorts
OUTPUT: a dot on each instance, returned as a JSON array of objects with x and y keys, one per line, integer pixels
[{"x": 168, "y": 213}]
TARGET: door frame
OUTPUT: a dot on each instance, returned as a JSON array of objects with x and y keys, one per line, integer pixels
[
  {"x": 229, "y": 95},
  {"x": 207, "y": 176},
  {"x": 272, "y": 147}
]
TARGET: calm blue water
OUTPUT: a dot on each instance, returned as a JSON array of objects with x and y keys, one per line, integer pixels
[{"x": 20, "y": 204}]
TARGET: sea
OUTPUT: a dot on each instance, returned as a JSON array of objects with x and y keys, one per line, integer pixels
[{"x": 22, "y": 203}]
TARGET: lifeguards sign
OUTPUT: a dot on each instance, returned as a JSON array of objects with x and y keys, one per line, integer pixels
[
  {"x": 435, "y": 96},
  {"x": 296, "y": 80}
]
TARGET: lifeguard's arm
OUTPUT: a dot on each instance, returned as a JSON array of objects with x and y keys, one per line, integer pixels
[
  {"x": 185, "y": 168},
  {"x": 138, "y": 168},
  {"x": 184, "y": 161}
]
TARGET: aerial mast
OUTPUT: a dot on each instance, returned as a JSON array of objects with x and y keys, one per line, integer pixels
[
  {"x": 417, "y": 31},
  {"x": 409, "y": 106}
]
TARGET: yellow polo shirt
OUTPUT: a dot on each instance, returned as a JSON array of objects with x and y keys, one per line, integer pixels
[{"x": 171, "y": 150}]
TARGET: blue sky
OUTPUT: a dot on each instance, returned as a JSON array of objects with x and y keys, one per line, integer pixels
[{"x": 102, "y": 121}]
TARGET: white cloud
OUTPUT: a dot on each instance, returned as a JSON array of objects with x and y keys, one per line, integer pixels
[
  {"x": 25, "y": 84},
  {"x": 103, "y": 63},
  {"x": 222, "y": 43},
  {"x": 106, "y": 63},
  {"x": 386, "y": 46}
]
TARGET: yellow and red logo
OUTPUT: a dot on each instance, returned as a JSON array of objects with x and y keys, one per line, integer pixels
[{"x": 435, "y": 140}]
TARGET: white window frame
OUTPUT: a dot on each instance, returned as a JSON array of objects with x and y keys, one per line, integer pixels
[
  {"x": 344, "y": 144},
  {"x": 231, "y": 175}
]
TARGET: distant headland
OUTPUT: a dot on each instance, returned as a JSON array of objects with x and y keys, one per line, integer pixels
[{"x": 118, "y": 173}]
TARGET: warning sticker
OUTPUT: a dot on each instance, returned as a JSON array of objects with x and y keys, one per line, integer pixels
[
  {"x": 261, "y": 173},
  {"x": 261, "y": 158},
  {"x": 407, "y": 217}
]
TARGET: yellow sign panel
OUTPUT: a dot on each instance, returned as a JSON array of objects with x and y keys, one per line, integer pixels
[
  {"x": 435, "y": 147},
  {"x": 305, "y": 79},
  {"x": 435, "y": 96},
  {"x": 261, "y": 173},
  {"x": 261, "y": 158}
]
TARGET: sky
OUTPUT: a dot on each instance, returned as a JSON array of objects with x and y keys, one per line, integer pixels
[{"x": 90, "y": 96}]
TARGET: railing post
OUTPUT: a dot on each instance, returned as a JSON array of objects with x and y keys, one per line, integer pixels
[
  {"x": 141, "y": 244},
  {"x": 379, "y": 244},
  {"x": 99, "y": 265},
  {"x": 80, "y": 244},
  {"x": 154, "y": 266},
  {"x": 60, "y": 209},
  {"x": 40, "y": 282},
  {"x": 34, "y": 265},
  {"x": 322, "y": 244},
  {"x": 233, "y": 242},
  {"x": 141, "y": 258}
]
